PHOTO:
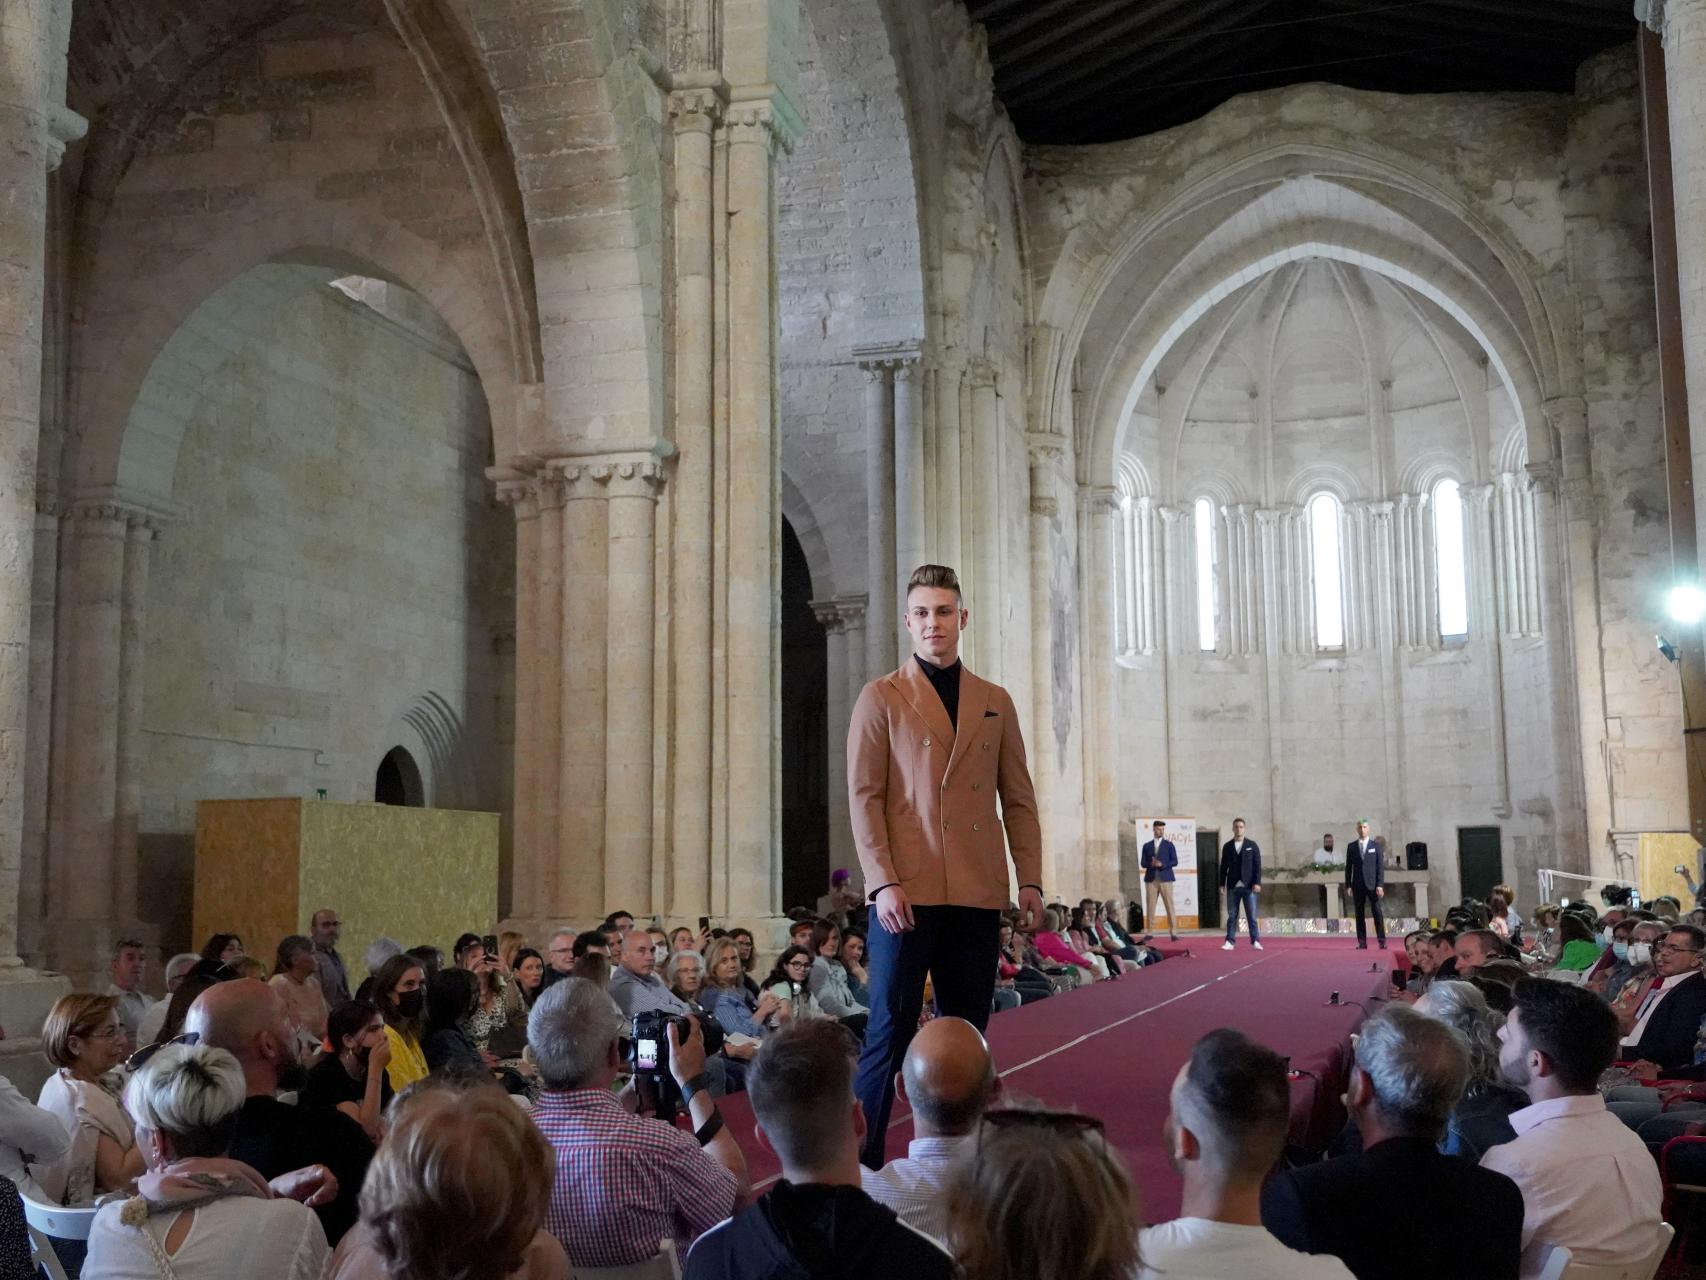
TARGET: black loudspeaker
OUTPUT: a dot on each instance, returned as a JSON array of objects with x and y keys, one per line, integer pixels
[{"x": 1415, "y": 856}]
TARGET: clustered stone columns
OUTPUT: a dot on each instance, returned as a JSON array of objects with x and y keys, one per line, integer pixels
[
  {"x": 843, "y": 621},
  {"x": 894, "y": 489},
  {"x": 1682, "y": 23},
  {"x": 1098, "y": 530}
]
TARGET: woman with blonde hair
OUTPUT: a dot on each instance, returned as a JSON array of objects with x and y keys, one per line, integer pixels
[
  {"x": 458, "y": 1188},
  {"x": 197, "y": 1214},
  {"x": 1039, "y": 1193},
  {"x": 85, "y": 1041}
]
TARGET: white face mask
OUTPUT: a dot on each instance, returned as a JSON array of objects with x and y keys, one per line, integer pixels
[
  {"x": 1640, "y": 953},
  {"x": 1606, "y": 934},
  {"x": 660, "y": 953}
]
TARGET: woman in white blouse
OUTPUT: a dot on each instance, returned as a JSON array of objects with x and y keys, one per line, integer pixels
[
  {"x": 197, "y": 1214},
  {"x": 84, "y": 1039}
]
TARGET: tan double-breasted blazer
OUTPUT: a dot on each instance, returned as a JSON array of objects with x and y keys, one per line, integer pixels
[{"x": 923, "y": 797}]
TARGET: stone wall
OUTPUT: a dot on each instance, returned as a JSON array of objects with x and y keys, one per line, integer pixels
[{"x": 334, "y": 568}]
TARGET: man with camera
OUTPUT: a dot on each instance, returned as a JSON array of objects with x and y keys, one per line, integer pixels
[
  {"x": 624, "y": 1181},
  {"x": 636, "y": 989}
]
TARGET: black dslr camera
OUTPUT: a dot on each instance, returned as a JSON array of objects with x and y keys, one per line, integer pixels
[{"x": 648, "y": 1061}]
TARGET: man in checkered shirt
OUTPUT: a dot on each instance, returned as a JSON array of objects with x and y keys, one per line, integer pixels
[{"x": 624, "y": 1182}]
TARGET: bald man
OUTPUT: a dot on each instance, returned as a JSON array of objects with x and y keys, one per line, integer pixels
[
  {"x": 948, "y": 1079},
  {"x": 247, "y": 1019}
]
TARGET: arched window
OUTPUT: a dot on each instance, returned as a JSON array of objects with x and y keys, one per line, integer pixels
[
  {"x": 1202, "y": 520},
  {"x": 1327, "y": 577},
  {"x": 1449, "y": 563}
]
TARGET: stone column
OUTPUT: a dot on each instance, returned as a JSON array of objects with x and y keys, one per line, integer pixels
[
  {"x": 948, "y": 547},
  {"x": 33, "y": 900},
  {"x": 852, "y": 613},
  {"x": 882, "y": 634},
  {"x": 1682, "y": 23},
  {"x": 750, "y": 881},
  {"x": 1045, "y": 451},
  {"x": 908, "y": 474},
  {"x": 632, "y": 501},
  {"x": 980, "y": 516},
  {"x": 528, "y": 887},
  {"x": 1101, "y": 773},
  {"x": 579, "y": 854},
  {"x": 34, "y": 127},
  {"x": 1485, "y": 630},
  {"x": 133, "y": 608},
  {"x": 695, "y": 114}
]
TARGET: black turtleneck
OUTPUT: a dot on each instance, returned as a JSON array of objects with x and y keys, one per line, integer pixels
[{"x": 946, "y": 682}]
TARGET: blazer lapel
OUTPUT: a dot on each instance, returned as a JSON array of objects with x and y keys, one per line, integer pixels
[
  {"x": 916, "y": 688},
  {"x": 974, "y": 701}
]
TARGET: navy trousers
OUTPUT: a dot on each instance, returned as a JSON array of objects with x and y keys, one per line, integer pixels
[
  {"x": 1233, "y": 898},
  {"x": 957, "y": 947}
]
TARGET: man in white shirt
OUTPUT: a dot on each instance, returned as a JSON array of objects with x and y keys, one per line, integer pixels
[
  {"x": 130, "y": 963},
  {"x": 1326, "y": 855},
  {"x": 948, "y": 1079},
  {"x": 1588, "y": 1183},
  {"x": 1231, "y": 1106}
]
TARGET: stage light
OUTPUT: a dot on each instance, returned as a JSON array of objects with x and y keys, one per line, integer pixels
[
  {"x": 1666, "y": 648},
  {"x": 1686, "y": 604}
]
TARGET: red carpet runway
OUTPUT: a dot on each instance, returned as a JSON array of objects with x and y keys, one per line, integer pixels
[{"x": 1112, "y": 1049}]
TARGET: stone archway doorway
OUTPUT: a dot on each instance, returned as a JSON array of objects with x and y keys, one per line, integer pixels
[{"x": 805, "y": 726}]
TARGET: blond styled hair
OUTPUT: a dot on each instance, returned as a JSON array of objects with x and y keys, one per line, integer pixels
[
  {"x": 459, "y": 1186},
  {"x": 936, "y": 576},
  {"x": 1029, "y": 1200},
  {"x": 78, "y": 1014}
]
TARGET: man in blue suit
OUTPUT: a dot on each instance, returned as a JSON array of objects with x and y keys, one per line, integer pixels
[
  {"x": 1365, "y": 882},
  {"x": 1241, "y": 878},
  {"x": 1158, "y": 859}
]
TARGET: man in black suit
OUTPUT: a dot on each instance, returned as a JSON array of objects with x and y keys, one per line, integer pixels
[
  {"x": 1410, "y": 1073},
  {"x": 1241, "y": 879},
  {"x": 1365, "y": 882},
  {"x": 1667, "y": 1020}
]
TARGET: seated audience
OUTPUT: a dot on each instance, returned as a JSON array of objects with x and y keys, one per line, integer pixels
[
  {"x": 681, "y": 939},
  {"x": 1587, "y": 1182},
  {"x": 828, "y": 980},
  {"x": 624, "y": 1182},
  {"x": 592, "y": 942},
  {"x": 296, "y": 978},
  {"x": 948, "y": 1079},
  {"x": 727, "y": 998},
  {"x": 1498, "y": 915},
  {"x": 1544, "y": 940},
  {"x": 177, "y": 970},
  {"x": 748, "y": 958},
  {"x": 1409, "y": 1075},
  {"x": 1580, "y": 952},
  {"x": 800, "y": 932},
  {"x": 1051, "y": 946},
  {"x": 594, "y": 966},
  {"x": 498, "y": 1005},
  {"x": 451, "y": 999},
  {"x": 85, "y": 1042},
  {"x": 129, "y": 966},
  {"x": 852, "y": 957},
  {"x": 816, "y": 1223},
  {"x": 1614, "y": 969},
  {"x": 1014, "y": 967},
  {"x": 1667, "y": 1021},
  {"x": 529, "y": 975},
  {"x": 1644, "y": 940},
  {"x": 1040, "y": 1193},
  {"x": 352, "y": 1078},
  {"x": 459, "y": 1188},
  {"x": 227, "y": 948},
  {"x": 247, "y": 1020},
  {"x": 788, "y": 984},
  {"x": 249, "y": 967},
  {"x": 15, "y": 1260},
  {"x": 559, "y": 958},
  {"x": 1230, "y": 1108},
  {"x": 198, "y": 1214},
  {"x": 1083, "y": 940},
  {"x": 1481, "y": 1119},
  {"x": 430, "y": 959},
  {"x": 400, "y": 995},
  {"x": 379, "y": 951},
  {"x": 1442, "y": 953},
  {"x": 28, "y": 1136},
  {"x": 621, "y": 921},
  {"x": 1476, "y": 947}
]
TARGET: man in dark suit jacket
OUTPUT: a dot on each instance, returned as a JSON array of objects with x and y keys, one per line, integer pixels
[
  {"x": 1365, "y": 881},
  {"x": 1410, "y": 1072},
  {"x": 1677, "y": 1005},
  {"x": 1241, "y": 879},
  {"x": 1158, "y": 859}
]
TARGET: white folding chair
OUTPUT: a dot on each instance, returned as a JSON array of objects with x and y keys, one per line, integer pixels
[
  {"x": 50, "y": 1222},
  {"x": 665, "y": 1266},
  {"x": 1560, "y": 1267}
]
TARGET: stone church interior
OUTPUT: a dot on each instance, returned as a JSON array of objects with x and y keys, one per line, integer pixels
[{"x": 535, "y": 408}]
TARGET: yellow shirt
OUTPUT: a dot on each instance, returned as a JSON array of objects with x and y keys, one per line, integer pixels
[{"x": 408, "y": 1063}]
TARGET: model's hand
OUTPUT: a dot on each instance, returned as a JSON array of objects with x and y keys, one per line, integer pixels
[
  {"x": 1255, "y": 888},
  {"x": 1030, "y": 908},
  {"x": 1347, "y": 891},
  {"x": 894, "y": 910},
  {"x": 1380, "y": 893}
]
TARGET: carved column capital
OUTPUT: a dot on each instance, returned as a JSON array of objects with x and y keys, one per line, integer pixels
[
  {"x": 1660, "y": 14},
  {"x": 1479, "y": 495},
  {"x": 767, "y": 120},
  {"x": 695, "y": 110},
  {"x": 981, "y": 372},
  {"x": 851, "y": 610}
]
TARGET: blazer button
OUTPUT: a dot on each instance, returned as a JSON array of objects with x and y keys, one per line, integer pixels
[
  {"x": 977, "y": 786},
  {"x": 986, "y": 746},
  {"x": 976, "y": 827},
  {"x": 926, "y": 742}
]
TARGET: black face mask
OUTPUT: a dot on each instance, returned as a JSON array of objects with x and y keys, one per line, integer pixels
[{"x": 409, "y": 1003}]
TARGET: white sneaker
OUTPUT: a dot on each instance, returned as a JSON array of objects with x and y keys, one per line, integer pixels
[
  {"x": 1226, "y": 946},
  {"x": 1256, "y": 945}
]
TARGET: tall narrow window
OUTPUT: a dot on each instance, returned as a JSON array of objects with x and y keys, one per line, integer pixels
[
  {"x": 1329, "y": 583},
  {"x": 1450, "y": 565},
  {"x": 1203, "y": 520}
]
